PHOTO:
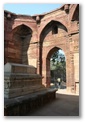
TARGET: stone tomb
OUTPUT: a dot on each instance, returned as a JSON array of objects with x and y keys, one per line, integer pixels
[
  {"x": 23, "y": 87},
  {"x": 20, "y": 80}
]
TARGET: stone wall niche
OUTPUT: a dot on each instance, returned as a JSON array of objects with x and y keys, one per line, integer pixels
[{"x": 21, "y": 38}]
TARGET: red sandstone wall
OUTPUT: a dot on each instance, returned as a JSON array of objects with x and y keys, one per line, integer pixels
[{"x": 13, "y": 43}]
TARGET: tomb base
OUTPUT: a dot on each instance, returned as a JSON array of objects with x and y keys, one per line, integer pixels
[{"x": 24, "y": 91}]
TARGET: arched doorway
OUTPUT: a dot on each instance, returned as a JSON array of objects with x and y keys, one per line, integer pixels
[
  {"x": 21, "y": 38},
  {"x": 56, "y": 71},
  {"x": 53, "y": 37}
]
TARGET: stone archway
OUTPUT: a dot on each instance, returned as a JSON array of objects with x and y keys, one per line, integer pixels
[
  {"x": 46, "y": 67},
  {"x": 53, "y": 37},
  {"x": 48, "y": 73}
]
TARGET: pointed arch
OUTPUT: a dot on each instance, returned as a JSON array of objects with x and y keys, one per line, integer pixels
[
  {"x": 76, "y": 14},
  {"x": 48, "y": 71},
  {"x": 55, "y": 20},
  {"x": 20, "y": 24},
  {"x": 51, "y": 24},
  {"x": 21, "y": 36},
  {"x": 22, "y": 27},
  {"x": 52, "y": 51},
  {"x": 74, "y": 9}
]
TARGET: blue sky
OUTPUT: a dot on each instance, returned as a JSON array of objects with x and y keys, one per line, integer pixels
[{"x": 31, "y": 9}]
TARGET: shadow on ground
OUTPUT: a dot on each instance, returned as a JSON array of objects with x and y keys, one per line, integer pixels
[{"x": 63, "y": 105}]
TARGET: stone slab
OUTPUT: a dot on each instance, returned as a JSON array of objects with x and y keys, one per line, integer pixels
[
  {"x": 11, "y": 93},
  {"x": 19, "y": 68}
]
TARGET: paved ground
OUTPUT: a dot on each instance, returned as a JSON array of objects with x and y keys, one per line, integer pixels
[{"x": 66, "y": 104}]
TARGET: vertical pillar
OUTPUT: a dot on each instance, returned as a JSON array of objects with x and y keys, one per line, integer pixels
[
  {"x": 76, "y": 71},
  {"x": 70, "y": 65},
  {"x": 38, "y": 58},
  {"x": 72, "y": 73},
  {"x": 44, "y": 71},
  {"x": 48, "y": 76},
  {"x": 76, "y": 62}
]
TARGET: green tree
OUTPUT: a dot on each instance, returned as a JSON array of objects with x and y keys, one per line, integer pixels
[{"x": 58, "y": 65}]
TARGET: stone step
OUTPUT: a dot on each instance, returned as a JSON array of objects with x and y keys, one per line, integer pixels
[
  {"x": 17, "y": 84},
  {"x": 19, "y": 68},
  {"x": 21, "y": 76},
  {"x": 25, "y": 104},
  {"x": 21, "y": 83},
  {"x": 11, "y": 93}
]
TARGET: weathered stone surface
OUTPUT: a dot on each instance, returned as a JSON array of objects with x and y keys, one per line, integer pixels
[
  {"x": 19, "y": 68},
  {"x": 21, "y": 80},
  {"x": 23, "y": 105}
]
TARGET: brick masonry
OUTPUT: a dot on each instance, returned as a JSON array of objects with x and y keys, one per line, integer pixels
[{"x": 33, "y": 39}]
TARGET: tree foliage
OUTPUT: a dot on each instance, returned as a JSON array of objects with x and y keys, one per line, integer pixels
[{"x": 58, "y": 66}]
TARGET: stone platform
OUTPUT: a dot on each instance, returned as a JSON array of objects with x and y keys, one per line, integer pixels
[
  {"x": 24, "y": 105},
  {"x": 20, "y": 80},
  {"x": 24, "y": 91}
]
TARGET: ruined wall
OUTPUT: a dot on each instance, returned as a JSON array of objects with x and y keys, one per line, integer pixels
[
  {"x": 20, "y": 32},
  {"x": 49, "y": 32},
  {"x": 7, "y": 38}
]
